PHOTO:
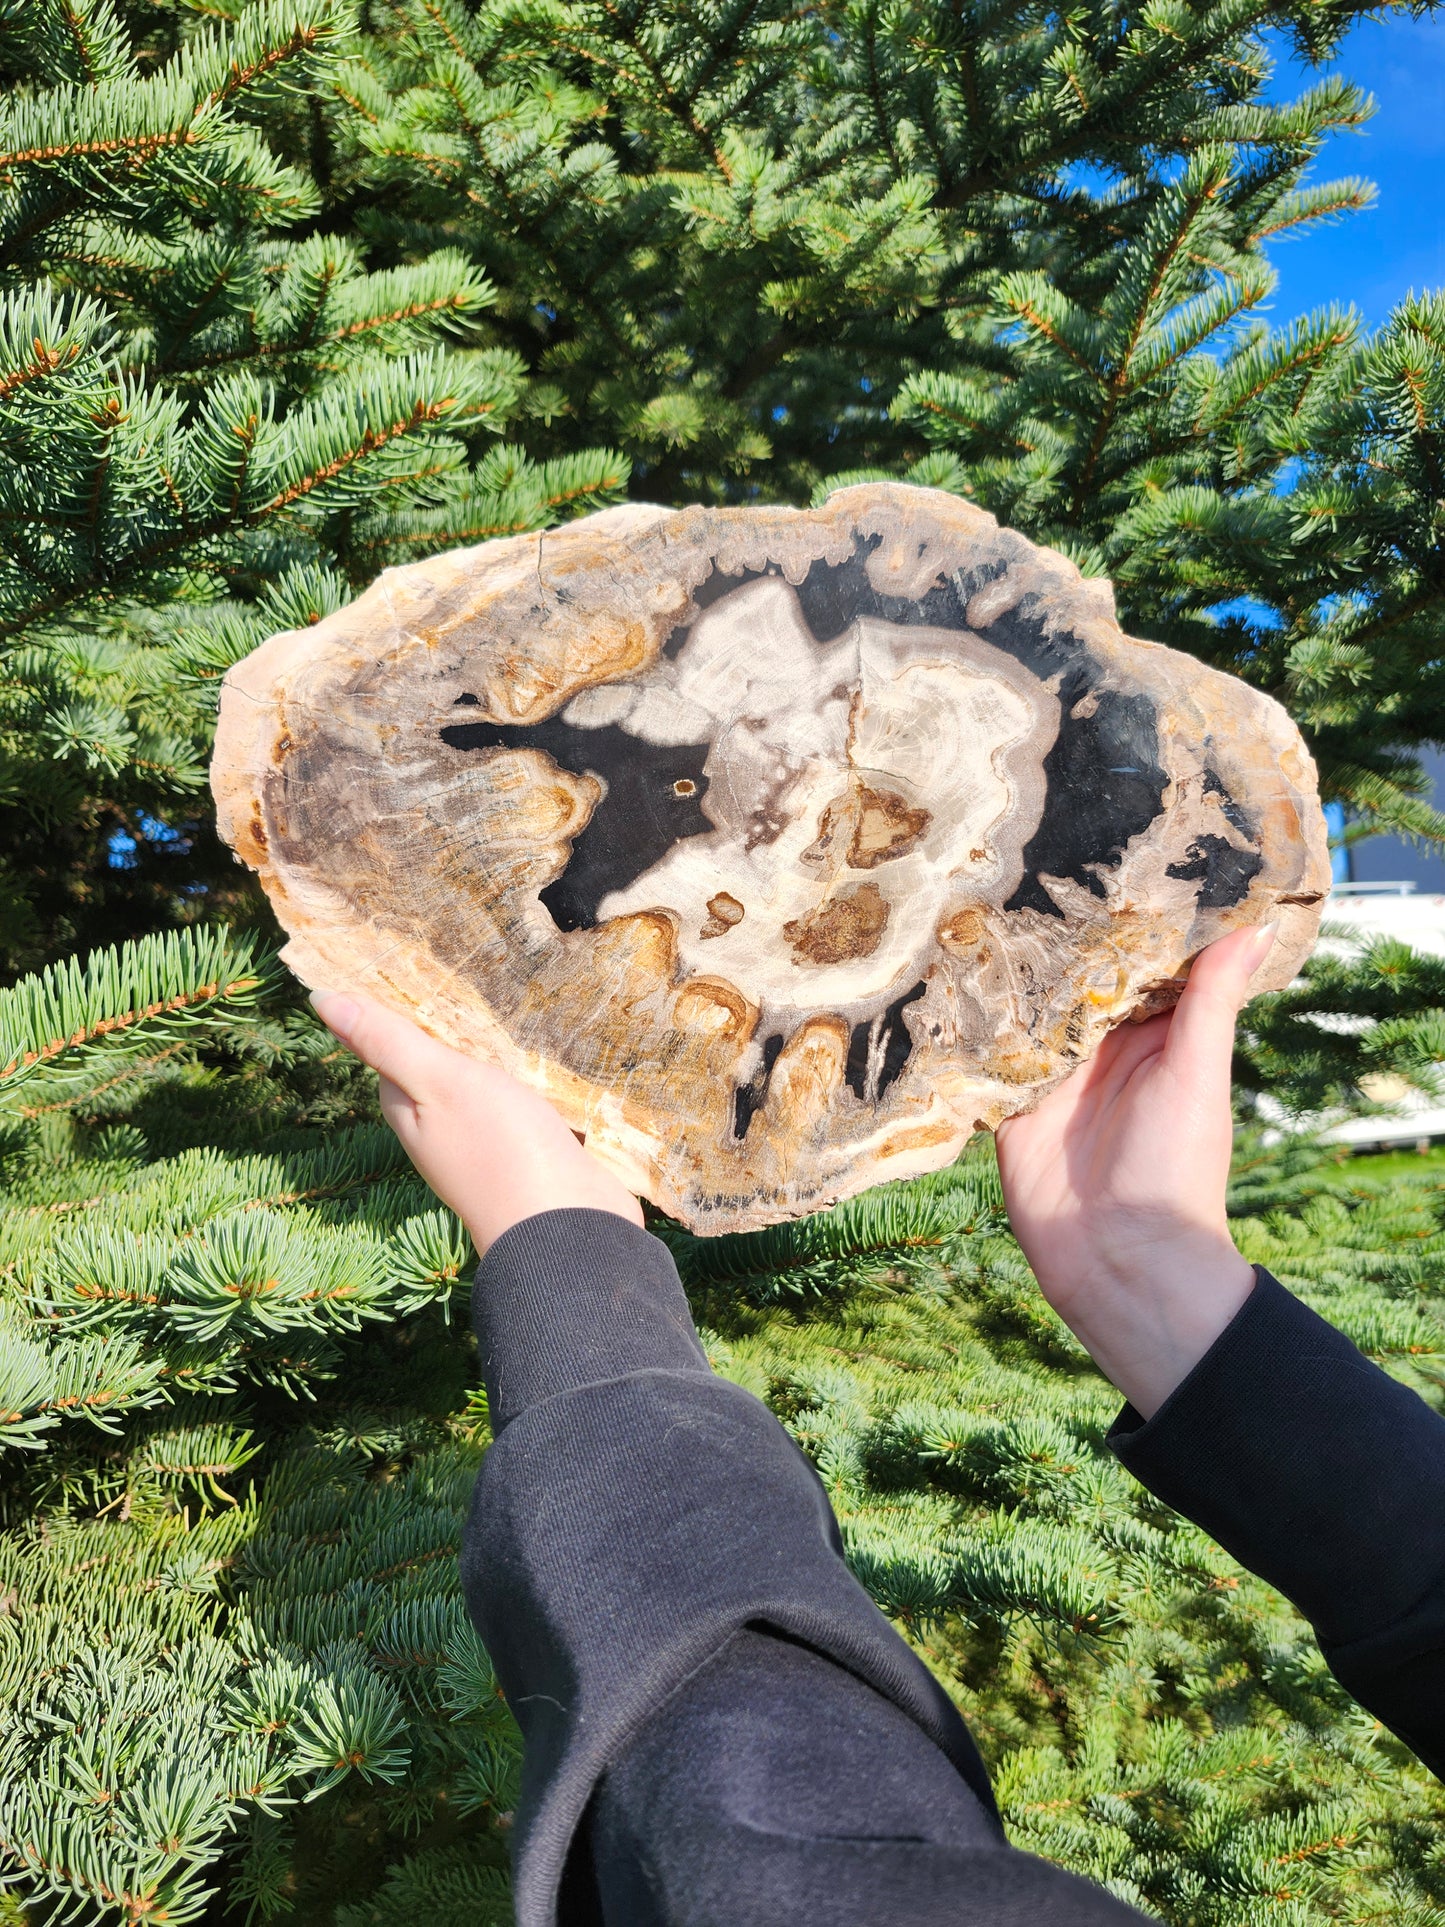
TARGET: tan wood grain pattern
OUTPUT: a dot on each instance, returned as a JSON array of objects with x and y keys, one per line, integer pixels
[{"x": 781, "y": 849}]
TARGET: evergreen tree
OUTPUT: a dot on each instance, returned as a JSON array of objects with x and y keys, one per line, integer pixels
[
  {"x": 290, "y": 290},
  {"x": 212, "y": 423}
]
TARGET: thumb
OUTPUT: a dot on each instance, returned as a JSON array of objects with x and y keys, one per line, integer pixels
[
  {"x": 391, "y": 1044},
  {"x": 1201, "y": 1031}
]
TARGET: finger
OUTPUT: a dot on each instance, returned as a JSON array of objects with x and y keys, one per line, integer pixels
[
  {"x": 1123, "y": 1050},
  {"x": 1201, "y": 1033},
  {"x": 391, "y": 1044},
  {"x": 1128, "y": 1044},
  {"x": 1092, "y": 1087},
  {"x": 399, "y": 1110}
]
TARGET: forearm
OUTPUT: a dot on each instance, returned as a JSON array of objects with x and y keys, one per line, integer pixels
[
  {"x": 1319, "y": 1472},
  {"x": 577, "y": 1297},
  {"x": 773, "y": 1786},
  {"x": 633, "y": 1515}
]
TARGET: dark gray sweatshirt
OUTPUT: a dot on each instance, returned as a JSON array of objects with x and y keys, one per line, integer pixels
[{"x": 722, "y": 1730}]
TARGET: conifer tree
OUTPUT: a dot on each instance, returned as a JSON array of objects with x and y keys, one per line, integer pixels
[
  {"x": 213, "y": 423},
  {"x": 291, "y": 289}
]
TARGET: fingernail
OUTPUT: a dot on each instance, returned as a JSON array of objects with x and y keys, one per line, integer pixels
[
  {"x": 339, "y": 1014},
  {"x": 1263, "y": 944}
]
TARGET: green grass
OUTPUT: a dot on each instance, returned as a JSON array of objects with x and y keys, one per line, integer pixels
[{"x": 1400, "y": 1164}]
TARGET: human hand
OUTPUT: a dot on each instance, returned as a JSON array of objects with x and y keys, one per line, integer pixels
[
  {"x": 490, "y": 1148},
  {"x": 1115, "y": 1184}
]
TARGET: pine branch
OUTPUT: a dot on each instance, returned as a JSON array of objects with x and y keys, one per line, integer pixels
[
  {"x": 889, "y": 1225},
  {"x": 145, "y": 990}
]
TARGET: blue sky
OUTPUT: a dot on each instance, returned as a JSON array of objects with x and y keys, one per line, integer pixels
[{"x": 1374, "y": 258}]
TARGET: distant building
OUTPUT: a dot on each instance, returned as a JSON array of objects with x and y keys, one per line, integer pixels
[
  {"x": 1386, "y": 887},
  {"x": 1388, "y": 859},
  {"x": 1357, "y": 913}
]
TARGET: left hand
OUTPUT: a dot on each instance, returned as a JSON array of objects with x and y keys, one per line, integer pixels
[
  {"x": 490, "y": 1148},
  {"x": 1115, "y": 1184}
]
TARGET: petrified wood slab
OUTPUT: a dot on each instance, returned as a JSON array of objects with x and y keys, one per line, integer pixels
[{"x": 782, "y": 850}]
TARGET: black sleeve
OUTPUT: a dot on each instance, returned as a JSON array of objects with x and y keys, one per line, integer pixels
[
  {"x": 719, "y": 1726},
  {"x": 1319, "y": 1472}
]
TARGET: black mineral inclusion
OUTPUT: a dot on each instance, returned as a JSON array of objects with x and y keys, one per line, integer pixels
[{"x": 653, "y": 800}]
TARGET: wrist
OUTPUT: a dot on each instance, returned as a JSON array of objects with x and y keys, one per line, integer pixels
[
  {"x": 1147, "y": 1319},
  {"x": 595, "y": 1190}
]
